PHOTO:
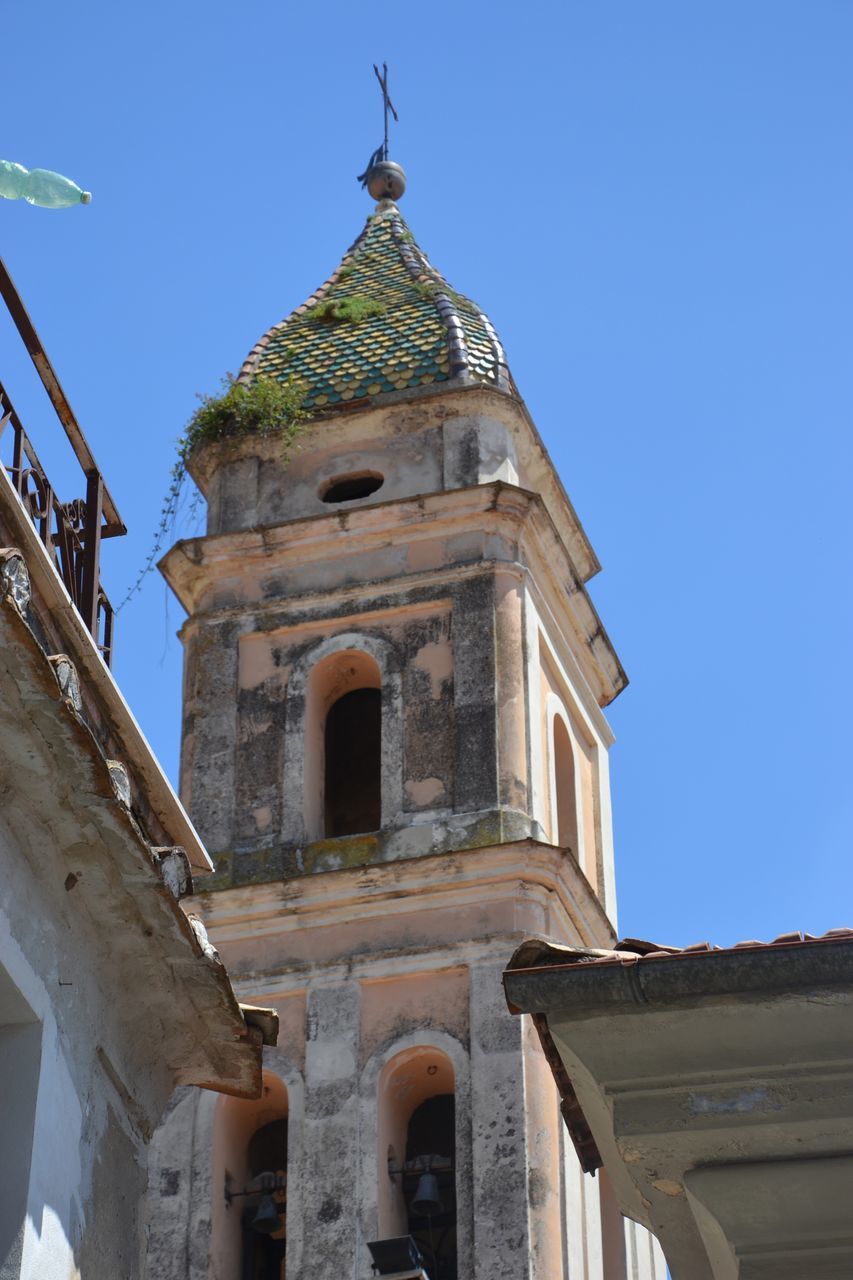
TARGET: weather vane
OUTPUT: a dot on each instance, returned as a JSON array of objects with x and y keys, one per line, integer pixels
[{"x": 383, "y": 178}]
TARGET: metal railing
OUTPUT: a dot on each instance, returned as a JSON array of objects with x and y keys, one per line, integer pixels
[{"x": 70, "y": 531}]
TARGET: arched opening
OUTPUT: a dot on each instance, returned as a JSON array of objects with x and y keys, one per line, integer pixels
[
  {"x": 417, "y": 1139},
  {"x": 565, "y": 799},
  {"x": 353, "y": 754},
  {"x": 249, "y": 1235},
  {"x": 348, "y": 488},
  {"x": 429, "y": 1183}
]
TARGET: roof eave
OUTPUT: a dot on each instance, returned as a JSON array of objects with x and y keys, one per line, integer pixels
[{"x": 206, "y": 1040}]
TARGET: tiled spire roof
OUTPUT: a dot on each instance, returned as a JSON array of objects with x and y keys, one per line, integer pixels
[{"x": 385, "y": 321}]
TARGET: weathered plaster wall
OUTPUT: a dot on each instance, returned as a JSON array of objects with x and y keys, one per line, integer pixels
[
  {"x": 465, "y": 759},
  {"x": 414, "y": 451},
  {"x": 73, "y": 1173}
]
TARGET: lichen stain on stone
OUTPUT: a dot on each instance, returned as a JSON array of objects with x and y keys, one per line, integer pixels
[
  {"x": 345, "y": 851},
  {"x": 221, "y": 878},
  {"x": 486, "y": 831},
  {"x": 252, "y": 725},
  {"x": 330, "y": 1210},
  {"x": 538, "y": 1189}
]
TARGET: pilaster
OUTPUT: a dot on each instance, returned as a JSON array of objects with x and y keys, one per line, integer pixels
[
  {"x": 501, "y": 1228},
  {"x": 330, "y": 1131}
]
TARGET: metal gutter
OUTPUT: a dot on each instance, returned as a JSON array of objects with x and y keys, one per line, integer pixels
[{"x": 627, "y": 984}]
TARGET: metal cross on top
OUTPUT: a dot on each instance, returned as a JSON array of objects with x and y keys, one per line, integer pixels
[
  {"x": 386, "y": 102},
  {"x": 381, "y": 153}
]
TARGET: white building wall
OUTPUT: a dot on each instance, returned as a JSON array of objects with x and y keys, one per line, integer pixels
[
  {"x": 71, "y": 1173},
  {"x": 43, "y": 1142}
]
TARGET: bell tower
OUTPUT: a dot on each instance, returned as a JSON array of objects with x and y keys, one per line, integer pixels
[{"x": 395, "y": 750}]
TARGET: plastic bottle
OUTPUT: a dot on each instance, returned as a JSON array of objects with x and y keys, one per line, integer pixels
[{"x": 40, "y": 187}]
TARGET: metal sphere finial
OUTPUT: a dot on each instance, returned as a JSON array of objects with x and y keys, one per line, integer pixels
[{"x": 386, "y": 180}]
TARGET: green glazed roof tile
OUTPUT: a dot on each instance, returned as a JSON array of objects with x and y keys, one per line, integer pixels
[{"x": 420, "y": 332}]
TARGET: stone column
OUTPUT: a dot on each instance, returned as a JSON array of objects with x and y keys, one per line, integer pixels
[
  {"x": 475, "y": 764},
  {"x": 501, "y": 1232},
  {"x": 209, "y": 728},
  {"x": 330, "y": 1135},
  {"x": 545, "y": 1183},
  {"x": 512, "y": 728}
]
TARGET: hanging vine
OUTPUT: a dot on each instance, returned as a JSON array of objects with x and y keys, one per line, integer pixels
[{"x": 264, "y": 407}]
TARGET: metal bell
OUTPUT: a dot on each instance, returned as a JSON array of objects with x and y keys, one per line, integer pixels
[
  {"x": 267, "y": 1219},
  {"x": 427, "y": 1201}
]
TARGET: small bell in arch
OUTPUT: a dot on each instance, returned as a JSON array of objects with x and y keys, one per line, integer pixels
[
  {"x": 268, "y": 1219},
  {"x": 427, "y": 1201}
]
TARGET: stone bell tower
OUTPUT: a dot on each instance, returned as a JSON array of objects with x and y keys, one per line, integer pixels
[{"x": 395, "y": 750}]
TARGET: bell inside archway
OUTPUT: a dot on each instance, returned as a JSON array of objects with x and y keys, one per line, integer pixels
[
  {"x": 427, "y": 1201},
  {"x": 267, "y": 1219}
]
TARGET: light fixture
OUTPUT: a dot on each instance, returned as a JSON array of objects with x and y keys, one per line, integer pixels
[{"x": 398, "y": 1254}]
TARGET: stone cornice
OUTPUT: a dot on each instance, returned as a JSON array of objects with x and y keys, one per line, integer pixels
[
  {"x": 194, "y": 568},
  {"x": 527, "y": 868},
  {"x": 440, "y": 403}
]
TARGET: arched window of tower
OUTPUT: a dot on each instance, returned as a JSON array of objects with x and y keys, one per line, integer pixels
[
  {"x": 565, "y": 798},
  {"x": 342, "y": 784},
  {"x": 417, "y": 1138},
  {"x": 353, "y": 750},
  {"x": 249, "y": 1228}
]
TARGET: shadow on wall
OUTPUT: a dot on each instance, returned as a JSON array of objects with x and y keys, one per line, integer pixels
[
  {"x": 58, "y": 1137},
  {"x": 20, "y": 1064}
]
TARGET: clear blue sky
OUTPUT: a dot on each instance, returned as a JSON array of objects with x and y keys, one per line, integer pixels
[{"x": 653, "y": 202}]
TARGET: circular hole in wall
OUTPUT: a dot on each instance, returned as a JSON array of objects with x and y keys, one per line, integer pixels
[{"x": 359, "y": 484}]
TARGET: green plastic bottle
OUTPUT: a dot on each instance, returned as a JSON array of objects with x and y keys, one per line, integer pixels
[{"x": 40, "y": 187}]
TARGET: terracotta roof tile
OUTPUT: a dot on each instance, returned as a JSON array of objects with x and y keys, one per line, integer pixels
[{"x": 535, "y": 954}]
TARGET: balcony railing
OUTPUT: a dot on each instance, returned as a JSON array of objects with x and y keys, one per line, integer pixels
[{"x": 71, "y": 531}]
